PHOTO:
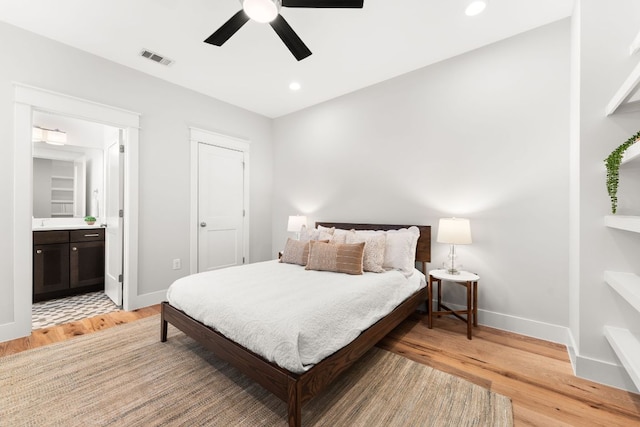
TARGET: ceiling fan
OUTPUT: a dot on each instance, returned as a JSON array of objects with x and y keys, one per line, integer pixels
[{"x": 269, "y": 11}]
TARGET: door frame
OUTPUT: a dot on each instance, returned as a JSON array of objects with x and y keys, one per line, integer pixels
[
  {"x": 27, "y": 99},
  {"x": 201, "y": 136}
]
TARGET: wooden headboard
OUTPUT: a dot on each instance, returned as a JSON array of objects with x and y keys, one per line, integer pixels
[{"x": 423, "y": 250}]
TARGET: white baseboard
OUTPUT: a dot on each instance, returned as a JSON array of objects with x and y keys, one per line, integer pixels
[
  {"x": 146, "y": 300},
  {"x": 12, "y": 330},
  {"x": 602, "y": 372},
  {"x": 599, "y": 371},
  {"x": 520, "y": 325}
]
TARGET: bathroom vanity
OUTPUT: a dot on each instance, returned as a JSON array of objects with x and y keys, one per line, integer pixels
[{"x": 67, "y": 262}]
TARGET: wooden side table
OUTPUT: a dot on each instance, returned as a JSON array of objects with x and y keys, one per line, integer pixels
[{"x": 466, "y": 279}]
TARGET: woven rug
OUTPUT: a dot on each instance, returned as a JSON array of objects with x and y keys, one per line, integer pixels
[{"x": 124, "y": 376}]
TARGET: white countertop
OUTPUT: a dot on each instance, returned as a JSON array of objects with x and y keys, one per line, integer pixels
[{"x": 64, "y": 227}]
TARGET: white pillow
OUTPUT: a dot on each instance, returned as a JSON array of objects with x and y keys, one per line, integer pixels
[
  {"x": 307, "y": 234},
  {"x": 400, "y": 249},
  {"x": 374, "y": 248},
  {"x": 339, "y": 236}
]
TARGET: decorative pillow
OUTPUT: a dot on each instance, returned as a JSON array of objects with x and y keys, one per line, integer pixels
[
  {"x": 295, "y": 252},
  {"x": 374, "y": 246},
  {"x": 340, "y": 258},
  {"x": 307, "y": 234},
  {"x": 400, "y": 249},
  {"x": 339, "y": 236}
]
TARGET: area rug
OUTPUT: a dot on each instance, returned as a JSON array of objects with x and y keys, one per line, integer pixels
[{"x": 124, "y": 376}]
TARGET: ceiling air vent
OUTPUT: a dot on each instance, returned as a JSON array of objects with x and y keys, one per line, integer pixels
[{"x": 155, "y": 57}]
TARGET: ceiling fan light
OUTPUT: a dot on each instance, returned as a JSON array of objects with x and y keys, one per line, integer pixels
[
  {"x": 261, "y": 10},
  {"x": 475, "y": 7}
]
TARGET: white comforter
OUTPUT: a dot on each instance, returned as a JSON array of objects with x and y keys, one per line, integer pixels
[{"x": 288, "y": 315}]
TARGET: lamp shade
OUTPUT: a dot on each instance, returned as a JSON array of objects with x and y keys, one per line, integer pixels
[
  {"x": 455, "y": 231},
  {"x": 296, "y": 222}
]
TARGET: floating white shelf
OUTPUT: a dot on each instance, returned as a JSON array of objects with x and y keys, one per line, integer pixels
[
  {"x": 625, "y": 92},
  {"x": 627, "y": 285},
  {"x": 627, "y": 347},
  {"x": 631, "y": 154},
  {"x": 623, "y": 222}
]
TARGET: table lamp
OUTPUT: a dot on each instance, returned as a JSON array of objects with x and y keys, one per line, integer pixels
[
  {"x": 454, "y": 231},
  {"x": 295, "y": 224}
]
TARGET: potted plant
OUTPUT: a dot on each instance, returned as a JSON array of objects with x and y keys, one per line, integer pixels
[{"x": 90, "y": 220}]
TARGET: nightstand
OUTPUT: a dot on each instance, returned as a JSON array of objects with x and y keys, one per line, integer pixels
[{"x": 466, "y": 279}]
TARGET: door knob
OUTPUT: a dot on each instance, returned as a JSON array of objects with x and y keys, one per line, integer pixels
[{"x": 203, "y": 224}]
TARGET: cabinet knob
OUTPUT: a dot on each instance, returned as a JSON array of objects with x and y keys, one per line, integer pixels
[
  {"x": 203, "y": 224},
  {"x": 74, "y": 248},
  {"x": 39, "y": 251}
]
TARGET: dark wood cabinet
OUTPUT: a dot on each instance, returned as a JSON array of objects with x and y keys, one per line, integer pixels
[{"x": 67, "y": 262}]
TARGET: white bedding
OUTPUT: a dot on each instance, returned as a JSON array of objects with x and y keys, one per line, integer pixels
[{"x": 288, "y": 315}]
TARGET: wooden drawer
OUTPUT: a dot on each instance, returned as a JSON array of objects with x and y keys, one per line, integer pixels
[
  {"x": 86, "y": 235},
  {"x": 49, "y": 237}
]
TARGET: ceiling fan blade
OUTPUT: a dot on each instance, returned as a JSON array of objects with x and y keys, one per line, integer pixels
[
  {"x": 228, "y": 29},
  {"x": 323, "y": 3},
  {"x": 290, "y": 38}
]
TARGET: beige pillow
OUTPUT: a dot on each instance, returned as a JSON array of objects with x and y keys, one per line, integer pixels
[
  {"x": 340, "y": 258},
  {"x": 374, "y": 245},
  {"x": 295, "y": 252}
]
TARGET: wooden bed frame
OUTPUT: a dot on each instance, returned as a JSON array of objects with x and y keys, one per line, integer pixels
[{"x": 297, "y": 389}]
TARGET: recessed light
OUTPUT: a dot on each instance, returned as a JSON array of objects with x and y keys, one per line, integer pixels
[
  {"x": 475, "y": 7},
  {"x": 294, "y": 86}
]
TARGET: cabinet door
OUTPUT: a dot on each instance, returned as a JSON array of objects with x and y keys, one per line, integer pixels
[
  {"x": 86, "y": 261},
  {"x": 50, "y": 268}
]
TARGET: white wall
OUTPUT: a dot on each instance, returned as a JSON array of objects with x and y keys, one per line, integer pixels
[
  {"x": 484, "y": 135},
  {"x": 167, "y": 111},
  {"x": 606, "y": 32}
]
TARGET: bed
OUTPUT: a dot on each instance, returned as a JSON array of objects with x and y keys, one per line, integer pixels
[{"x": 294, "y": 387}]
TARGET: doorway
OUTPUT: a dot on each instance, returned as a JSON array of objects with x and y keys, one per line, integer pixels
[
  {"x": 27, "y": 100},
  {"x": 219, "y": 200},
  {"x": 62, "y": 197}
]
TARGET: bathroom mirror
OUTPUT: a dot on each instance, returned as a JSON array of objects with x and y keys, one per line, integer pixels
[{"x": 67, "y": 181}]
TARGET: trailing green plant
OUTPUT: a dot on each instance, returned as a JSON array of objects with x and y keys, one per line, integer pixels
[{"x": 613, "y": 168}]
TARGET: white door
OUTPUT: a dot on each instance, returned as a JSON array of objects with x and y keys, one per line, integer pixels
[
  {"x": 220, "y": 207},
  {"x": 114, "y": 191}
]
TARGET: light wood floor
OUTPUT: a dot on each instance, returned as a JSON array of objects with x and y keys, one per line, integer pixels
[{"x": 535, "y": 374}]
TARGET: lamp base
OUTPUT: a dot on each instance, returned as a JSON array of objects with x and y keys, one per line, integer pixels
[{"x": 453, "y": 271}]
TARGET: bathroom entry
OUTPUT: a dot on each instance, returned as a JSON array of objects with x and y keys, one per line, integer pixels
[{"x": 90, "y": 153}]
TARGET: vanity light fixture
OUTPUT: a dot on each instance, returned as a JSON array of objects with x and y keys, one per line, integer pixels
[
  {"x": 50, "y": 136},
  {"x": 475, "y": 7}
]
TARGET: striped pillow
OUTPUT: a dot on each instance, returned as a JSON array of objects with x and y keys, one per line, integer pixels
[{"x": 339, "y": 258}]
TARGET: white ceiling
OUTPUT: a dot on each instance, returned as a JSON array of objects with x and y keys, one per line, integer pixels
[{"x": 352, "y": 48}]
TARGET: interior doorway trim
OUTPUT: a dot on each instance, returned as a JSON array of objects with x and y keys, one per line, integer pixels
[
  {"x": 201, "y": 136},
  {"x": 28, "y": 99}
]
